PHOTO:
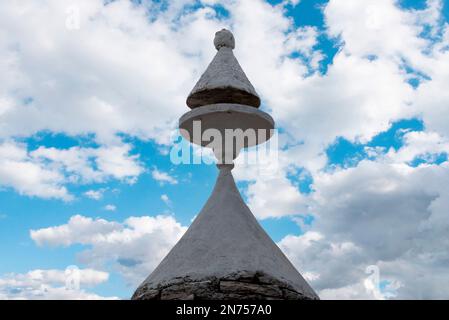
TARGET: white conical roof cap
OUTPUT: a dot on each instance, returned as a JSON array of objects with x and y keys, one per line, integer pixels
[{"x": 224, "y": 80}]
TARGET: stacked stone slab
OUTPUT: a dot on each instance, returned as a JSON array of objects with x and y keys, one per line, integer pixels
[{"x": 225, "y": 254}]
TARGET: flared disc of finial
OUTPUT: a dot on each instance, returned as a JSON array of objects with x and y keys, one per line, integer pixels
[
  {"x": 224, "y": 80},
  {"x": 249, "y": 126}
]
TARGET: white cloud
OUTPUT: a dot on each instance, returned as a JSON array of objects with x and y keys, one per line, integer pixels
[
  {"x": 385, "y": 214},
  {"x": 382, "y": 212},
  {"x": 270, "y": 192},
  {"x": 94, "y": 194},
  {"x": 50, "y": 284},
  {"x": 19, "y": 171},
  {"x": 92, "y": 164},
  {"x": 166, "y": 199},
  {"x": 433, "y": 97},
  {"x": 353, "y": 292},
  {"x": 134, "y": 247},
  {"x": 419, "y": 144},
  {"x": 110, "y": 207},
  {"x": 79, "y": 229},
  {"x": 44, "y": 172},
  {"x": 116, "y": 162},
  {"x": 362, "y": 24},
  {"x": 281, "y": 198},
  {"x": 163, "y": 177}
]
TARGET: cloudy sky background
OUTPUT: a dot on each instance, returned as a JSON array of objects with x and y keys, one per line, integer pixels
[{"x": 90, "y": 94}]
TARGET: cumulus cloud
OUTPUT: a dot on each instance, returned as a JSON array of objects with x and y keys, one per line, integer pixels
[
  {"x": 44, "y": 172},
  {"x": 110, "y": 207},
  {"x": 88, "y": 165},
  {"x": 94, "y": 194},
  {"x": 163, "y": 177},
  {"x": 270, "y": 193},
  {"x": 134, "y": 247},
  {"x": 19, "y": 171},
  {"x": 426, "y": 145},
  {"x": 166, "y": 199},
  {"x": 382, "y": 214},
  {"x": 79, "y": 229},
  {"x": 51, "y": 284},
  {"x": 385, "y": 212}
]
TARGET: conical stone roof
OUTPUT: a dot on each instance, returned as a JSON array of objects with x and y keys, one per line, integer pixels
[
  {"x": 226, "y": 244},
  {"x": 224, "y": 80}
]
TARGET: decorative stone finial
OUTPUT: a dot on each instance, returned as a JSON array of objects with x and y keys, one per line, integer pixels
[
  {"x": 225, "y": 254},
  {"x": 224, "y": 38}
]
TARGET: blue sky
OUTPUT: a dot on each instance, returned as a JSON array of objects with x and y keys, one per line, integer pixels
[{"x": 361, "y": 115}]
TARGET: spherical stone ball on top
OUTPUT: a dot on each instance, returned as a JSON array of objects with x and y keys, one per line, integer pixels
[{"x": 224, "y": 38}]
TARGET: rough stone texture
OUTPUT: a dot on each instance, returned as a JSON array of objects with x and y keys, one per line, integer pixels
[
  {"x": 225, "y": 242},
  {"x": 224, "y": 38},
  {"x": 237, "y": 286},
  {"x": 224, "y": 80},
  {"x": 250, "y": 288},
  {"x": 150, "y": 294}
]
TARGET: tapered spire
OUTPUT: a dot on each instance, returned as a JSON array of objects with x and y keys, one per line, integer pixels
[{"x": 225, "y": 254}]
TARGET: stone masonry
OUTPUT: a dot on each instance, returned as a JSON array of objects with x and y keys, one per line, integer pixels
[{"x": 244, "y": 285}]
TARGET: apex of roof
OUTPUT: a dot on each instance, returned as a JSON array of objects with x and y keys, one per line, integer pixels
[{"x": 224, "y": 80}]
